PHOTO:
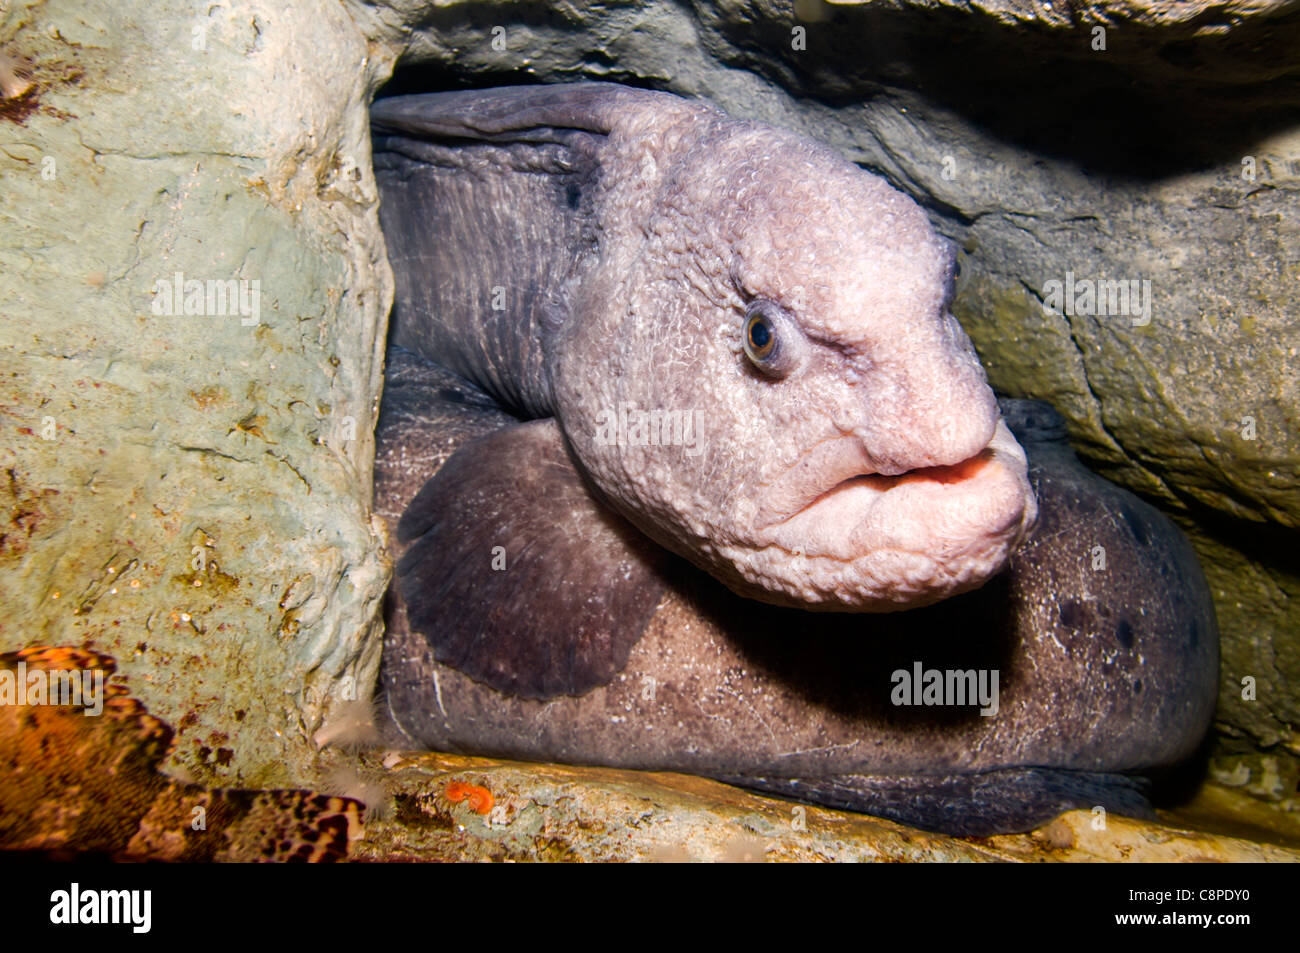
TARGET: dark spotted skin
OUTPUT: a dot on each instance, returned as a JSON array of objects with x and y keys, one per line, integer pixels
[{"x": 1103, "y": 672}]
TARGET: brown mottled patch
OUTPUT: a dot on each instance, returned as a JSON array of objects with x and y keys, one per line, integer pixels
[
  {"x": 210, "y": 579},
  {"x": 90, "y": 787},
  {"x": 208, "y": 396},
  {"x": 251, "y": 424},
  {"x": 24, "y": 511},
  {"x": 555, "y": 850},
  {"x": 422, "y": 811},
  {"x": 18, "y": 109},
  {"x": 24, "y": 84}
]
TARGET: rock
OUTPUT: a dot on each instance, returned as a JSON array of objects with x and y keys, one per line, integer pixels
[
  {"x": 200, "y": 510},
  {"x": 1224, "y": 806},
  {"x": 551, "y": 812},
  {"x": 189, "y": 492},
  {"x": 88, "y": 787}
]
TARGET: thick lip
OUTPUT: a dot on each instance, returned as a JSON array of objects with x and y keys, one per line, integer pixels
[
  {"x": 842, "y": 463},
  {"x": 881, "y": 483},
  {"x": 940, "y": 511}
]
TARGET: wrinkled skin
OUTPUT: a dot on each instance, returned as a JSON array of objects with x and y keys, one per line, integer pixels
[
  {"x": 876, "y": 475},
  {"x": 564, "y": 254},
  {"x": 871, "y": 474}
]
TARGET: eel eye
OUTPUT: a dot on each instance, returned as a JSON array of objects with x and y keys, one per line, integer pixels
[
  {"x": 760, "y": 337},
  {"x": 772, "y": 339}
]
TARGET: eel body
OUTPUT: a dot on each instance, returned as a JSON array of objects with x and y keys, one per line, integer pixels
[{"x": 664, "y": 387}]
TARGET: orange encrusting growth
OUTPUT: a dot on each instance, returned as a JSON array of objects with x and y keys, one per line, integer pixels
[{"x": 480, "y": 798}]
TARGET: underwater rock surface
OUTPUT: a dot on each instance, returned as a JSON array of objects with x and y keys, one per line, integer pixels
[
  {"x": 553, "y": 812},
  {"x": 185, "y": 474},
  {"x": 190, "y": 439}
]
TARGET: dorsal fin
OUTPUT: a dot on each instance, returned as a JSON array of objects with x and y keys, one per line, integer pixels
[{"x": 512, "y": 113}]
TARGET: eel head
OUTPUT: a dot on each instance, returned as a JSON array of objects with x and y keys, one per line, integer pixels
[{"x": 767, "y": 378}]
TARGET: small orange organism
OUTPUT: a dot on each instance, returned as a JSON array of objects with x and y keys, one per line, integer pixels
[{"x": 480, "y": 798}]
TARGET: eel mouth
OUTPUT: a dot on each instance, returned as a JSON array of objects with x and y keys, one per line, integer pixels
[
  {"x": 881, "y": 483},
  {"x": 879, "y": 541}
]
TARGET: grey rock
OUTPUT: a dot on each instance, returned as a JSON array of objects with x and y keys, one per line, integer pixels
[{"x": 200, "y": 509}]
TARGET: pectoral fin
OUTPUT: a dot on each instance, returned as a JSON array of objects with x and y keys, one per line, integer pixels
[{"x": 516, "y": 576}]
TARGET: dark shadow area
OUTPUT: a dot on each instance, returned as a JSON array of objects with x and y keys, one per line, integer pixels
[
  {"x": 1155, "y": 103},
  {"x": 438, "y": 77},
  {"x": 844, "y": 662},
  {"x": 1273, "y": 546},
  {"x": 1177, "y": 785}
]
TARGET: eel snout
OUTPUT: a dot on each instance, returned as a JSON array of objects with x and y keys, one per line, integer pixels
[{"x": 879, "y": 542}]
